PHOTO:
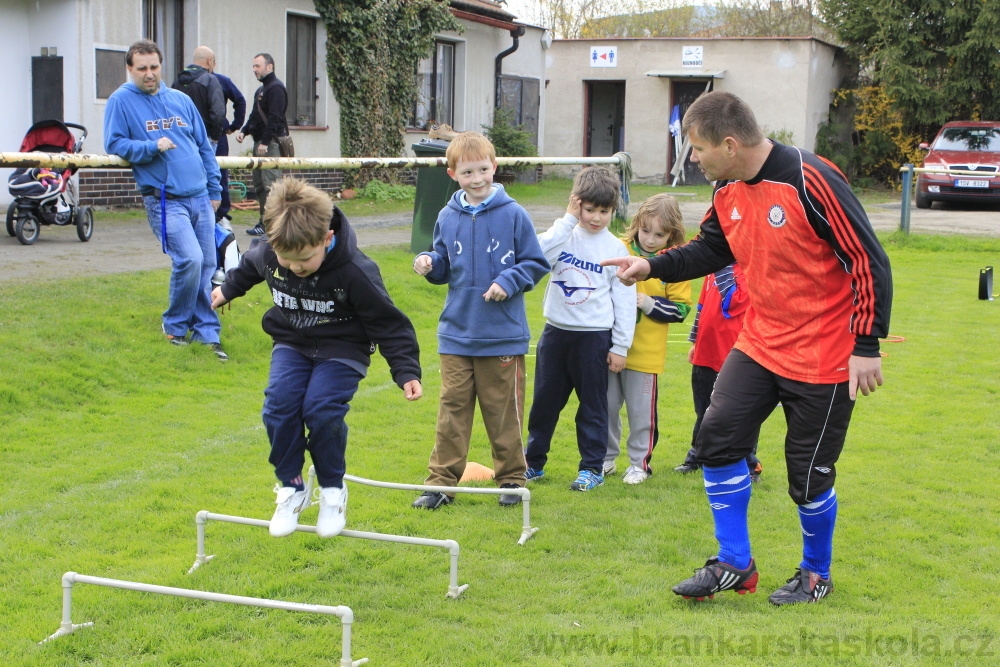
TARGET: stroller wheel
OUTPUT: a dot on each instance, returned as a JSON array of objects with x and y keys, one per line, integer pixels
[
  {"x": 84, "y": 223},
  {"x": 26, "y": 228},
  {"x": 11, "y": 212}
]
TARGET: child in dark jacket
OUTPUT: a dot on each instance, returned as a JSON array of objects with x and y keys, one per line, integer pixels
[
  {"x": 330, "y": 311},
  {"x": 486, "y": 251}
]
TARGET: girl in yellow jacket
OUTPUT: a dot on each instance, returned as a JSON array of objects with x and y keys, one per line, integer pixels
[{"x": 656, "y": 227}]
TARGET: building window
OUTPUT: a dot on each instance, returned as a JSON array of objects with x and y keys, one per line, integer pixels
[
  {"x": 435, "y": 88},
  {"x": 521, "y": 96},
  {"x": 300, "y": 70},
  {"x": 109, "y": 67},
  {"x": 163, "y": 23}
]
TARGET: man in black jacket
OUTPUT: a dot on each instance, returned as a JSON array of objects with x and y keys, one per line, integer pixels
[
  {"x": 266, "y": 123},
  {"x": 198, "y": 83}
]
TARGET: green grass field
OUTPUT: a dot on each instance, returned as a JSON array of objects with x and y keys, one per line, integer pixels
[{"x": 111, "y": 440}]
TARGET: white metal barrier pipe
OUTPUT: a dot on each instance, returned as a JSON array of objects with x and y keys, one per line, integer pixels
[
  {"x": 526, "y": 529},
  {"x": 67, "y": 626},
  {"x": 454, "y": 590},
  {"x": 100, "y": 161}
]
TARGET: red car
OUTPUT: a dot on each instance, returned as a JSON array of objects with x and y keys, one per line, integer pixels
[{"x": 969, "y": 145}]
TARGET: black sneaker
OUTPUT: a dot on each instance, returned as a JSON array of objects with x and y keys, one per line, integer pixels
[
  {"x": 431, "y": 500},
  {"x": 804, "y": 586},
  {"x": 217, "y": 348},
  {"x": 687, "y": 467},
  {"x": 173, "y": 340},
  {"x": 508, "y": 499},
  {"x": 257, "y": 230},
  {"x": 715, "y": 577}
]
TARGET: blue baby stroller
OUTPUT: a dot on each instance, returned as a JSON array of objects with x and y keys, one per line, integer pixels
[{"x": 44, "y": 196}]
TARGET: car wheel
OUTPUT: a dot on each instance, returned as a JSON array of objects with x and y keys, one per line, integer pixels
[
  {"x": 26, "y": 229},
  {"x": 923, "y": 201},
  {"x": 11, "y": 212},
  {"x": 85, "y": 223}
]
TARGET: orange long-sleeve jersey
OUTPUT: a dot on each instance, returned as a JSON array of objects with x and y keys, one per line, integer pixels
[{"x": 819, "y": 283}]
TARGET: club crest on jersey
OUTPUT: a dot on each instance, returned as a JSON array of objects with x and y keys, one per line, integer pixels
[{"x": 776, "y": 216}]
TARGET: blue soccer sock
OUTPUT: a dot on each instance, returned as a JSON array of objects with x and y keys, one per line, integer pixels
[
  {"x": 818, "y": 519},
  {"x": 728, "y": 490}
]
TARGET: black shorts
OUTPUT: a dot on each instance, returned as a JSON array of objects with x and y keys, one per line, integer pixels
[{"x": 817, "y": 417}]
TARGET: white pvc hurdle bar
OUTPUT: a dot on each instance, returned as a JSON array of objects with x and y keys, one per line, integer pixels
[
  {"x": 100, "y": 161},
  {"x": 526, "y": 530},
  {"x": 68, "y": 627},
  {"x": 454, "y": 590}
]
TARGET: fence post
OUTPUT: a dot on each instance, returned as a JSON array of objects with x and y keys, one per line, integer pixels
[{"x": 904, "y": 216}]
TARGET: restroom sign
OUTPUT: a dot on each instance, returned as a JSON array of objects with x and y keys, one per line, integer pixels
[
  {"x": 604, "y": 56},
  {"x": 691, "y": 56}
]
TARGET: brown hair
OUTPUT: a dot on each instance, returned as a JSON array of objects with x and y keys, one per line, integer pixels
[
  {"x": 597, "y": 186},
  {"x": 470, "y": 146},
  {"x": 143, "y": 46},
  {"x": 296, "y": 216},
  {"x": 718, "y": 115},
  {"x": 660, "y": 209}
]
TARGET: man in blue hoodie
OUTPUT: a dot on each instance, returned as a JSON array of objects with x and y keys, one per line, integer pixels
[{"x": 161, "y": 133}]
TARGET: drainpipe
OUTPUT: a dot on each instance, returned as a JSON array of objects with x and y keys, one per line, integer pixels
[{"x": 516, "y": 33}]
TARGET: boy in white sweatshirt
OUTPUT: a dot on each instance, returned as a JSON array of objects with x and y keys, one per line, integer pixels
[{"x": 590, "y": 319}]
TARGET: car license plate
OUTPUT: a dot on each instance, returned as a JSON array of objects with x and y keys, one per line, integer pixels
[{"x": 966, "y": 183}]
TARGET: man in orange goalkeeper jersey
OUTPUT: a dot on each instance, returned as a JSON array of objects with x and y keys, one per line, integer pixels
[{"x": 820, "y": 294}]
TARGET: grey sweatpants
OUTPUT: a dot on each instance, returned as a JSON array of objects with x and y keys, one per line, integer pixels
[{"x": 638, "y": 391}]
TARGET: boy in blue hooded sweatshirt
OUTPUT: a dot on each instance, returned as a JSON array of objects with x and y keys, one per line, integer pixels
[
  {"x": 486, "y": 250},
  {"x": 161, "y": 133}
]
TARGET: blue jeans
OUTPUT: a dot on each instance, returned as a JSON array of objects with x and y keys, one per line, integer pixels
[
  {"x": 191, "y": 246},
  {"x": 308, "y": 394}
]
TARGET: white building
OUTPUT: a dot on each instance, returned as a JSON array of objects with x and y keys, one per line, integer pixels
[{"x": 65, "y": 57}]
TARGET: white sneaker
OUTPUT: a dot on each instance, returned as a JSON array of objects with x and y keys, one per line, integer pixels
[
  {"x": 635, "y": 475},
  {"x": 610, "y": 468},
  {"x": 332, "y": 511},
  {"x": 286, "y": 516}
]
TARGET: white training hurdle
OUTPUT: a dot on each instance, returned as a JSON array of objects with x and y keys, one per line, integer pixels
[
  {"x": 68, "y": 627},
  {"x": 454, "y": 590},
  {"x": 526, "y": 529}
]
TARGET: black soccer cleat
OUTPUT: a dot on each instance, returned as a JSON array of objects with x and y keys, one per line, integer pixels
[
  {"x": 431, "y": 500},
  {"x": 715, "y": 577},
  {"x": 804, "y": 586}
]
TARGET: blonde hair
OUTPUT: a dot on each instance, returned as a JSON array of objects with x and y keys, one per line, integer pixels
[
  {"x": 470, "y": 146},
  {"x": 296, "y": 216},
  {"x": 597, "y": 186},
  {"x": 660, "y": 209}
]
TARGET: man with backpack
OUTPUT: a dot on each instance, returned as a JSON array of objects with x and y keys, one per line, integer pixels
[{"x": 204, "y": 89}]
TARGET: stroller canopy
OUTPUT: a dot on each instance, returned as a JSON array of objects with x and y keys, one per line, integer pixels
[{"x": 53, "y": 136}]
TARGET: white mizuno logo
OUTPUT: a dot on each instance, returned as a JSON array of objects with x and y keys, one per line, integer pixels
[{"x": 735, "y": 215}]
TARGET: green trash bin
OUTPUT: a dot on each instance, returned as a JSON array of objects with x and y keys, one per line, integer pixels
[{"x": 434, "y": 189}]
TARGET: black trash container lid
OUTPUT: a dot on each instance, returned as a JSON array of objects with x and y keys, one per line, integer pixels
[{"x": 430, "y": 147}]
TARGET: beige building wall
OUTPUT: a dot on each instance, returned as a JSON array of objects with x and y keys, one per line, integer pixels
[{"x": 788, "y": 82}]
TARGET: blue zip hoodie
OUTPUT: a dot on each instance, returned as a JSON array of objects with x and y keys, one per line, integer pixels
[
  {"x": 135, "y": 120},
  {"x": 473, "y": 248}
]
